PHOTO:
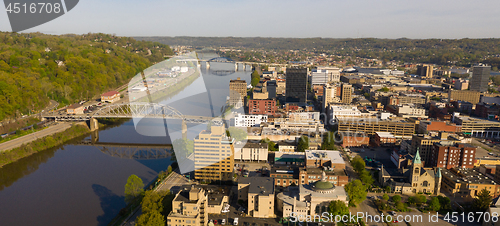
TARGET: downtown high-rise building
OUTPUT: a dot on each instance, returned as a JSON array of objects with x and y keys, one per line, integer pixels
[
  {"x": 237, "y": 93},
  {"x": 213, "y": 155},
  {"x": 346, "y": 95},
  {"x": 296, "y": 85},
  {"x": 480, "y": 78}
]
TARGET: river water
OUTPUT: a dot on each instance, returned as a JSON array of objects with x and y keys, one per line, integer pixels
[{"x": 81, "y": 185}]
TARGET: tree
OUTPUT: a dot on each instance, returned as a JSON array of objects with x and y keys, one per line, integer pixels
[
  {"x": 387, "y": 189},
  {"x": 434, "y": 204},
  {"x": 133, "y": 188},
  {"x": 396, "y": 198},
  {"x": 237, "y": 133},
  {"x": 153, "y": 218},
  {"x": 411, "y": 200},
  {"x": 400, "y": 206},
  {"x": 338, "y": 207},
  {"x": 358, "y": 164},
  {"x": 328, "y": 141},
  {"x": 271, "y": 146},
  {"x": 255, "y": 78},
  {"x": 303, "y": 144},
  {"x": 152, "y": 201},
  {"x": 356, "y": 191},
  {"x": 366, "y": 177},
  {"x": 420, "y": 199},
  {"x": 482, "y": 200},
  {"x": 385, "y": 197},
  {"x": 169, "y": 169},
  {"x": 445, "y": 202}
]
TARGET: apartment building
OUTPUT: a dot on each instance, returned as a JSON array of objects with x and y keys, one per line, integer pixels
[
  {"x": 446, "y": 154},
  {"x": 424, "y": 144},
  {"x": 189, "y": 208},
  {"x": 259, "y": 193},
  {"x": 262, "y": 107},
  {"x": 213, "y": 155}
]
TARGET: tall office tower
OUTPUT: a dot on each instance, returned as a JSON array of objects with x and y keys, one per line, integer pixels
[
  {"x": 330, "y": 95},
  {"x": 213, "y": 155},
  {"x": 346, "y": 97},
  {"x": 237, "y": 92},
  {"x": 296, "y": 85},
  {"x": 425, "y": 70},
  {"x": 480, "y": 77}
]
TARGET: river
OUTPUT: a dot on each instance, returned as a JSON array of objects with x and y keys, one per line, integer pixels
[{"x": 81, "y": 185}]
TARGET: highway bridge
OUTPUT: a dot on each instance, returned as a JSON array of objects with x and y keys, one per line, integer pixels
[{"x": 132, "y": 110}]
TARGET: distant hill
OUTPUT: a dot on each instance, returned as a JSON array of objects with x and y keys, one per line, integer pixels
[
  {"x": 35, "y": 68},
  {"x": 438, "y": 51}
]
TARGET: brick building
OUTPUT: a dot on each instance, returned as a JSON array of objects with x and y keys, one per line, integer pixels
[
  {"x": 350, "y": 139},
  {"x": 262, "y": 107},
  {"x": 449, "y": 155},
  {"x": 384, "y": 139}
]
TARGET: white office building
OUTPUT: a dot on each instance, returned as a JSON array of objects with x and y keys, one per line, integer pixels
[
  {"x": 324, "y": 75},
  {"x": 241, "y": 120}
]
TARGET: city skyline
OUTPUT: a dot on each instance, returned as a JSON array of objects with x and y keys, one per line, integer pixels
[{"x": 296, "y": 19}]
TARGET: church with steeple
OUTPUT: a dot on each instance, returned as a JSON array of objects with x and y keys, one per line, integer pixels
[{"x": 425, "y": 180}]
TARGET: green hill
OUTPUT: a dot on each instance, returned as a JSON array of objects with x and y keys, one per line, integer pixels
[{"x": 35, "y": 67}]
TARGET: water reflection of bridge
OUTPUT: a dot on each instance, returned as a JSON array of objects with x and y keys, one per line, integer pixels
[{"x": 129, "y": 150}]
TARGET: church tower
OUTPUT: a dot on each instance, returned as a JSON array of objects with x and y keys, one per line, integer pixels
[
  {"x": 438, "y": 181},
  {"x": 415, "y": 171}
]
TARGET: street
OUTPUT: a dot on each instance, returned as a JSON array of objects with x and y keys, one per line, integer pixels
[{"x": 61, "y": 126}]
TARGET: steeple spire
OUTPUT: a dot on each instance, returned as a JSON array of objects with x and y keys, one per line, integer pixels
[{"x": 417, "y": 159}]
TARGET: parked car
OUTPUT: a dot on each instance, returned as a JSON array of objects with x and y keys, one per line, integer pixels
[
  {"x": 235, "y": 222},
  {"x": 223, "y": 222}
]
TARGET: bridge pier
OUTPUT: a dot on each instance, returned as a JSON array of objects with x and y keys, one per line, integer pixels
[
  {"x": 184, "y": 129},
  {"x": 94, "y": 136},
  {"x": 93, "y": 124},
  {"x": 207, "y": 64}
]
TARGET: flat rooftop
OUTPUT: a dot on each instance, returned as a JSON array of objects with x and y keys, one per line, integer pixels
[
  {"x": 467, "y": 176},
  {"x": 259, "y": 185},
  {"x": 334, "y": 156}
]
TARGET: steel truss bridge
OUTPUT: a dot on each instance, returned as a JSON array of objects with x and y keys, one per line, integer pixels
[{"x": 132, "y": 110}]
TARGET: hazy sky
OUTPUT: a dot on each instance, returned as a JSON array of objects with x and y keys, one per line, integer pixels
[{"x": 280, "y": 18}]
